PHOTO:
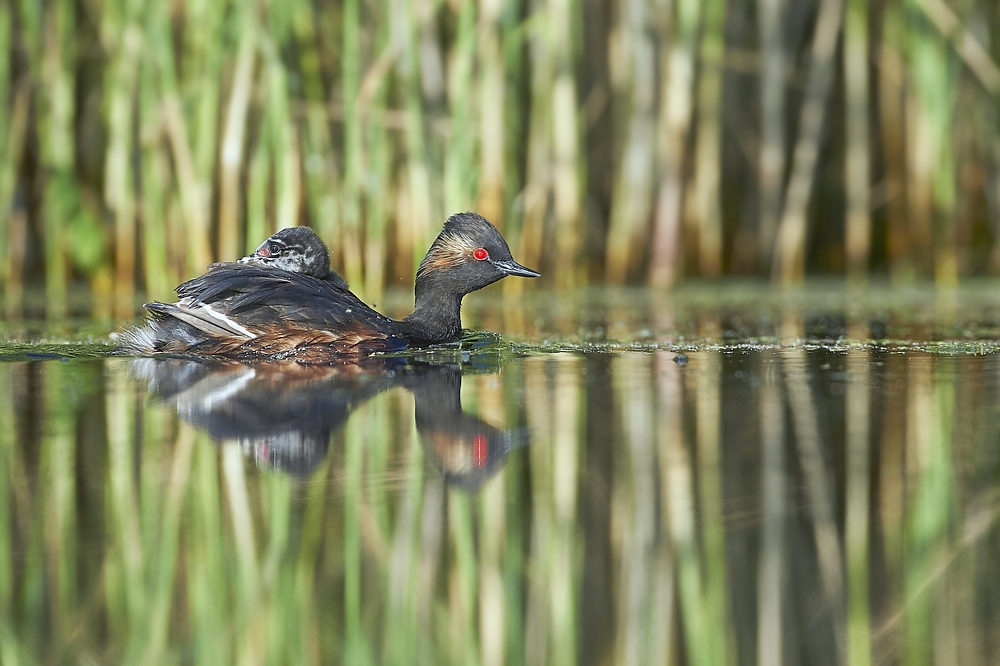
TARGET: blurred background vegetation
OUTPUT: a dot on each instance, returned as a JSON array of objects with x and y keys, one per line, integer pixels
[{"x": 640, "y": 141}]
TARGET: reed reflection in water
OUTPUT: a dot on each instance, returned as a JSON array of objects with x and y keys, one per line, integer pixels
[{"x": 770, "y": 506}]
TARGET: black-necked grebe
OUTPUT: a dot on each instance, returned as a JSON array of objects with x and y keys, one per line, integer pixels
[{"x": 248, "y": 312}]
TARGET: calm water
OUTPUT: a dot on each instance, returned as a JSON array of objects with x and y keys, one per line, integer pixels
[{"x": 706, "y": 478}]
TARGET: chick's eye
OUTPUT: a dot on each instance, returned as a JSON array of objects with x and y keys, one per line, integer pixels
[{"x": 480, "y": 253}]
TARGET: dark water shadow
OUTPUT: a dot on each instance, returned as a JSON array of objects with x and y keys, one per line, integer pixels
[{"x": 283, "y": 415}]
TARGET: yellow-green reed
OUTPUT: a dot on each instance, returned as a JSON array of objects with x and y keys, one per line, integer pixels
[
  {"x": 190, "y": 110},
  {"x": 207, "y": 558},
  {"x": 788, "y": 263},
  {"x": 771, "y": 156},
  {"x": 857, "y": 240},
  {"x": 492, "y": 106},
  {"x": 122, "y": 36},
  {"x": 633, "y": 84},
  {"x": 351, "y": 203},
  {"x": 708, "y": 426},
  {"x": 377, "y": 457},
  {"x": 856, "y": 530},
  {"x": 705, "y": 208},
  {"x": 288, "y": 183},
  {"x": 10, "y": 647},
  {"x": 417, "y": 205},
  {"x": 155, "y": 170},
  {"x": 633, "y": 518},
  {"x": 819, "y": 487},
  {"x": 673, "y": 125},
  {"x": 931, "y": 157},
  {"x": 932, "y": 502},
  {"x": 771, "y": 564},
  {"x": 320, "y": 170},
  {"x": 459, "y": 164},
  {"x": 568, "y": 162},
  {"x": 8, "y": 139},
  {"x": 258, "y": 226},
  {"x": 378, "y": 180},
  {"x": 892, "y": 130},
  {"x": 233, "y": 129},
  {"x": 401, "y": 631},
  {"x": 380, "y": 119},
  {"x": 356, "y": 647}
]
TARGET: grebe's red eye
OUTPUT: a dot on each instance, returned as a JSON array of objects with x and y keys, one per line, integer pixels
[{"x": 480, "y": 253}]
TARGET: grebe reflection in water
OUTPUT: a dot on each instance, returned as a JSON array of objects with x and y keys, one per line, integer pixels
[{"x": 284, "y": 414}]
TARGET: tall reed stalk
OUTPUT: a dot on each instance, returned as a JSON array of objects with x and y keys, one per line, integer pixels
[
  {"x": 790, "y": 247},
  {"x": 857, "y": 242},
  {"x": 705, "y": 209},
  {"x": 676, "y": 111},
  {"x": 158, "y": 137}
]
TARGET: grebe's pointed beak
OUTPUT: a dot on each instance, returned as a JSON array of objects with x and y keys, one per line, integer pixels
[{"x": 513, "y": 268}]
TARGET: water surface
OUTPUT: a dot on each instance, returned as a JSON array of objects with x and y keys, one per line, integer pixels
[{"x": 707, "y": 477}]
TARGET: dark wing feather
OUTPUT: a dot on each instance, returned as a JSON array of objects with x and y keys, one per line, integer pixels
[
  {"x": 256, "y": 296},
  {"x": 287, "y": 311}
]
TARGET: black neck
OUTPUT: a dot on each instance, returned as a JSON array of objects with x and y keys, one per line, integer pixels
[
  {"x": 437, "y": 314},
  {"x": 438, "y": 397}
]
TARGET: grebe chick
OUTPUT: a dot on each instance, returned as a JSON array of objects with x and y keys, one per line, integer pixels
[{"x": 297, "y": 250}]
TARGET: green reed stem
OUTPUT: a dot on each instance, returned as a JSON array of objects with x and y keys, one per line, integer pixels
[
  {"x": 127, "y": 591},
  {"x": 402, "y": 640},
  {"x": 856, "y": 530},
  {"x": 154, "y": 187},
  {"x": 287, "y": 183},
  {"x": 460, "y": 174},
  {"x": 676, "y": 112},
  {"x": 208, "y": 570},
  {"x": 234, "y": 131},
  {"x": 190, "y": 185},
  {"x": 57, "y": 459},
  {"x": 9, "y": 647},
  {"x": 927, "y": 524},
  {"x": 356, "y": 650},
  {"x": 168, "y": 541},
  {"x": 377, "y": 184},
  {"x": 465, "y": 575},
  {"x": 710, "y": 496},
  {"x": 858, "y": 223},
  {"x": 56, "y": 134},
  {"x": 790, "y": 248},
  {"x": 321, "y": 178},
  {"x": 124, "y": 36},
  {"x": 892, "y": 130},
  {"x": 633, "y": 85},
  {"x": 351, "y": 193},
  {"x": 771, "y": 157},
  {"x": 490, "y": 92},
  {"x": 418, "y": 177},
  {"x": 706, "y": 188},
  {"x": 258, "y": 184},
  {"x": 931, "y": 154},
  {"x": 568, "y": 161}
]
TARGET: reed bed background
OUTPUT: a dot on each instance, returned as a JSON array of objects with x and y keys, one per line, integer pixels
[
  {"x": 610, "y": 140},
  {"x": 819, "y": 519}
]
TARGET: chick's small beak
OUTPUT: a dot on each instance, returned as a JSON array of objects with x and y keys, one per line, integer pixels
[{"x": 511, "y": 267}]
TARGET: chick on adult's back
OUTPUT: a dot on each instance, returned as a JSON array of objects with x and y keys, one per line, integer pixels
[
  {"x": 248, "y": 312},
  {"x": 297, "y": 250}
]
